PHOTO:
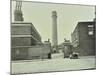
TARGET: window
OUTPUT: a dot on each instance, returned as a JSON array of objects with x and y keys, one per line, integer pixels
[
  {"x": 90, "y": 33},
  {"x": 17, "y": 52},
  {"x": 90, "y": 29}
]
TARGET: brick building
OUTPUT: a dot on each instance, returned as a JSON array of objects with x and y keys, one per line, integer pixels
[
  {"x": 84, "y": 38},
  {"x": 23, "y": 36},
  {"x": 25, "y": 40}
]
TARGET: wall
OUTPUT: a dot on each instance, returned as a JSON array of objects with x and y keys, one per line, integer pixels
[
  {"x": 21, "y": 41},
  {"x": 40, "y": 52},
  {"x": 20, "y": 30},
  {"x": 19, "y": 53}
]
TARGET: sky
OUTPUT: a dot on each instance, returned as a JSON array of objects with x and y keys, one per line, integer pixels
[{"x": 68, "y": 15}]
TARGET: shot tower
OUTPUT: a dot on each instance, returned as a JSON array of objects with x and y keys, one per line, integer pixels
[{"x": 54, "y": 31}]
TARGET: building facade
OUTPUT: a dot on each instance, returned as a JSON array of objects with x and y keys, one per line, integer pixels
[
  {"x": 23, "y": 36},
  {"x": 84, "y": 38},
  {"x": 25, "y": 40}
]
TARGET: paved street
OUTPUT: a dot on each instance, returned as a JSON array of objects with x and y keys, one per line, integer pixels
[{"x": 58, "y": 64}]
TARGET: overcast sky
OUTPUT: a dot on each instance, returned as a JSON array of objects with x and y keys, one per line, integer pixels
[{"x": 68, "y": 17}]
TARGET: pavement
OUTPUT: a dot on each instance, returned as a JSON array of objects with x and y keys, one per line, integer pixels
[{"x": 49, "y": 65}]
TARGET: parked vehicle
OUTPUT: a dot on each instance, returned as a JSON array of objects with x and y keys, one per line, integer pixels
[{"x": 74, "y": 55}]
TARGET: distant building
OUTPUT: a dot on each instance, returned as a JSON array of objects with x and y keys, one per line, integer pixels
[
  {"x": 84, "y": 38},
  {"x": 47, "y": 45},
  {"x": 18, "y": 15},
  {"x": 66, "y": 48}
]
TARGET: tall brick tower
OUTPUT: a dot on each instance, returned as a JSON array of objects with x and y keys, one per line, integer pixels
[{"x": 54, "y": 31}]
